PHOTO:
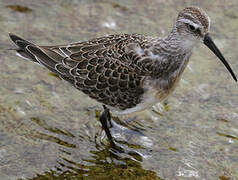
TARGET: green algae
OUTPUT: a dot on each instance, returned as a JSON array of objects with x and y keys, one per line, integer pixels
[
  {"x": 19, "y": 8},
  {"x": 227, "y": 135}
]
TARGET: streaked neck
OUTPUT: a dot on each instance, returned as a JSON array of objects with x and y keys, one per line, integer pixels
[{"x": 180, "y": 42}]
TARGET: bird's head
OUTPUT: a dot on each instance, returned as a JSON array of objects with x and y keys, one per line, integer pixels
[{"x": 193, "y": 25}]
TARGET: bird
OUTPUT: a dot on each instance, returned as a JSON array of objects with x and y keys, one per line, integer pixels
[{"x": 126, "y": 72}]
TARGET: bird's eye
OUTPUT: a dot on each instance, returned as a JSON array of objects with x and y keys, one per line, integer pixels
[{"x": 192, "y": 28}]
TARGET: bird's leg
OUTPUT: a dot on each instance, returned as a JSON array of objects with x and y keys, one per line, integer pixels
[{"x": 105, "y": 119}]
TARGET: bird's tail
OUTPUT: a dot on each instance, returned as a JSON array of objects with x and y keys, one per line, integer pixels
[
  {"x": 22, "y": 48},
  {"x": 37, "y": 54}
]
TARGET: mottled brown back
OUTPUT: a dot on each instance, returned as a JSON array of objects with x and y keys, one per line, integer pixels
[{"x": 107, "y": 68}]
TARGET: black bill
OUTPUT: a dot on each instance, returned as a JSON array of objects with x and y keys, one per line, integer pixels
[{"x": 211, "y": 45}]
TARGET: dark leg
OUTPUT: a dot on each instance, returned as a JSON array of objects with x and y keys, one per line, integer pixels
[{"x": 105, "y": 119}]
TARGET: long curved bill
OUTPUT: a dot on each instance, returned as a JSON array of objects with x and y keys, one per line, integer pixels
[{"x": 211, "y": 45}]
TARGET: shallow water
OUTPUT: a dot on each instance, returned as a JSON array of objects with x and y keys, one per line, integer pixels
[{"x": 49, "y": 130}]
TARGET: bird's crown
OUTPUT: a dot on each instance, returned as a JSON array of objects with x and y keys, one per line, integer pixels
[{"x": 195, "y": 15}]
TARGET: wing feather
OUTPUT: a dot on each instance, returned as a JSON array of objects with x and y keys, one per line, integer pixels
[{"x": 108, "y": 69}]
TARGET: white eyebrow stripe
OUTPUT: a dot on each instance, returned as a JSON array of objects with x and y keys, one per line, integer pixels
[{"x": 187, "y": 21}]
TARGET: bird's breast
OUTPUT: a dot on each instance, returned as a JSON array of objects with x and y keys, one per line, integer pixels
[{"x": 156, "y": 90}]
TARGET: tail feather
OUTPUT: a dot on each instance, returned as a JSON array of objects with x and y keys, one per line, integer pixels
[
  {"x": 21, "y": 47},
  {"x": 43, "y": 56},
  {"x": 17, "y": 39},
  {"x": 40, "y": 55}
]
